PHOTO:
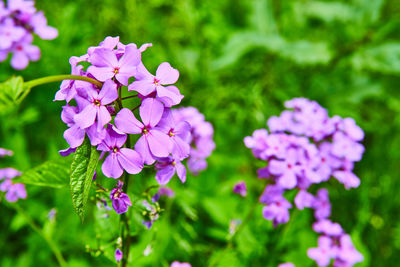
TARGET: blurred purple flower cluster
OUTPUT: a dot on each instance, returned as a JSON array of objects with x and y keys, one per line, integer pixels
[
  {"x": 19, "y": 20},
  {"x": 305, "y": 146},
  {"x": 14, "y": 191},
  {"x": 163, "y": 136}
]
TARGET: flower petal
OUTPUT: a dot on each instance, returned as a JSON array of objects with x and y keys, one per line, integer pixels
[
  {"x": 103, "y": 57},
  {"x": 159, "y": 143},
  {"x": 142, "y": 147},
  {"x": 164, "y": 175},
  {"x": 130, "y": 160},
  {"x": 108, "y": 92},
  {"x": 111, "y": 167},
  {"x": 143, "y": 87},
  {"x": 167, "y": 74},
  {"x": 86, "y": 117},
  {"x": 101, "y": 73},
  {"x": 151, "y": 111},
  {"x": 127, "y": 122}
]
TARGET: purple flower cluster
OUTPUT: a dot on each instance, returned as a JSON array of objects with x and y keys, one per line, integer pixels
[
  {"x": 163, "y": 136},
  {"x": 334, "y": 244},
  {"x": 14, "y": 191},
  {"x": 19, "y": 20},
  {"x": 305, "y": 146},
  {"x": 202, "y": 144}
]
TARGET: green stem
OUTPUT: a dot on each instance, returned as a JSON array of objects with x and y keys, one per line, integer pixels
[
  {"x": 127, "y": 97},
  {"x": 37, "y": 229},
  {"x": 57, "y": 78}
]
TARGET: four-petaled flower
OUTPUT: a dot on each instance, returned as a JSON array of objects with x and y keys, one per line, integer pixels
[
  {"x": 153, "y": 142},
  {"x": 119, "y": 157}
]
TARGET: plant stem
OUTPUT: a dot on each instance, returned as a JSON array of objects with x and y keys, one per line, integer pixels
[
  {"x": 57, "y": 78},
  {"x": 36, "y": 228},
  {"x": 127, "y": 97}
]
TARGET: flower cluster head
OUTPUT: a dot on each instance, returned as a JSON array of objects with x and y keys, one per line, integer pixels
[
  {"x": 304, "y": 146},
  {"x": 333, "y": 244},
  {"x": 160, "y": 134},
  {"x": 13, "y": 191},
  {"x": 19, "y": 20},
  {"x": 201, "y": 138}
]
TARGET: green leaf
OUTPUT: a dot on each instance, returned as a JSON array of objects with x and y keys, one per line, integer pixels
[
  {"x": 83, "y": 167},
  {"x": 52, "y": 173},
  {"x": 12, "y": 92},
  {"x": 384, "y": 58}
]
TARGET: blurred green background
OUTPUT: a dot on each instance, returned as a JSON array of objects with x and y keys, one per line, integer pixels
[{"x": 238, "y": 61}]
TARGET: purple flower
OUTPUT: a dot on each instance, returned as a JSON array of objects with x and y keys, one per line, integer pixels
[
  {"x": 347, "y": 252},
  {"x": 179, "y": 134},
  {"x": 68, "y": 87},
  {"x": 345, "y": 147},
  {"x": 240, "y": 188},
  {"x": 15, "y": 192},
  {"x": 9, "y": 173},
  {"x": 118, "y": 255},
  {"x": 327, "y": 227},
  {"x": 201, "y": 142},
  {"x": 5, "y": 152},
  {"x": 321, "y": 204},
  {"x": 120, "y": 200},
  {"x": 180, "y": 264},
  {"x": 119, "y": 157},
  {"x": 73, "y": 135},
  {"x": 23, "y": 52},
  {"x": 10, "y": 33},
  {"x": 286, "y": 169},
  {"x": 18, "y": 21},
  {"x": 166, "y": 169},
  {"x": 39, "y": 24},
  {"x": 153, "y": 142},
  {"x": 324, "y": 252},
  {"x": 277, "y": 211},
  {"x": 147, "y": 83},
  {"x": 286, "y": 264},
  {"x": 95, "y": 103},
  {"x": 163, "y": 191},
  {"x": 304, "y": 200},
  {"x": 106, "y": 65}
]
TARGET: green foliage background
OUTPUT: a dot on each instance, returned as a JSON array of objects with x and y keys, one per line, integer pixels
[{"x": 238, "y": 61}]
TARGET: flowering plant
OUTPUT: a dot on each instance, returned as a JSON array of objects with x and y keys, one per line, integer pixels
[
  {"x": 305, "y": 147},
  {"x": 19, "y": 20}
]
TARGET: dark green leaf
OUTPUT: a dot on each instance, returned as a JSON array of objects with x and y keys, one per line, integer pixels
[
  {"x": 52, "y": 173},
  {"x": 82, "y": 170},
  {"x": 12, "y": 92}
]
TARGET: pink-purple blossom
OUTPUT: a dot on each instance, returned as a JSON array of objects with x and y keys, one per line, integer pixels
[
  {"x": 13, "y": 191},
  {"x": 118, "y": 255},
  {"x": 19, "y": 20},
  {"x": 303, "y": 147},
  {"x": 164, "y": 136},
  {"x": 240, "y": 188},
  {"x": 153, "y": 142},
  {"x": 119, "y": 158},
  {"x": 120, "y": 200}
]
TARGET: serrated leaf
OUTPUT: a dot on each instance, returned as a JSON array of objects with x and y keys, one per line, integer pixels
[
  {"x": 52, "y": 173},
  {"x": 12, "y": 92},
  {"x": 83, "y": 167}
]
